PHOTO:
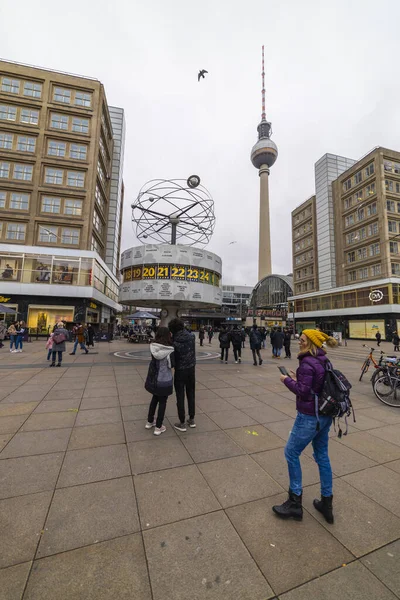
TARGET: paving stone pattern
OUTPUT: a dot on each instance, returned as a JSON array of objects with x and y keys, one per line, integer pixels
[{"x": 94, "y": 506}]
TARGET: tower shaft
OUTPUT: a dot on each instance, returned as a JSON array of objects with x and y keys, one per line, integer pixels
[{"x": 264, "y": 248}]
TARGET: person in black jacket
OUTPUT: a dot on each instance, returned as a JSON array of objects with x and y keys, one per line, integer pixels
[
  {"x": 185, "y": 371},
  {"x": 277, "y": 343},
  {"x": 255, "y": 344},
  {"x": 201, "y": 335},
  {"x": 378, "y": 338},
  {"x": 224, "y": 343},
  {"x": 396, "y": 341},
  {"x": 286, "y": 342},
  {"x": 236, "y": 339}
]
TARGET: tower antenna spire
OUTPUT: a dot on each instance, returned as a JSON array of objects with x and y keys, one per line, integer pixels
[{"x": 263, "y": 117}]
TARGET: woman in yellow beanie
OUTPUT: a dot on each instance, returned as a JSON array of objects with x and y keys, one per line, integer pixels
[{"x": 307, "y": 383}]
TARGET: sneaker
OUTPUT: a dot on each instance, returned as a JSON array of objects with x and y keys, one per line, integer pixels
[
  {"x": 236, "y": 362},
  {"x": 261, "y": 362},
  {"x": 58, "y": 365},
  {"x": 159, "y": 430},
  {"x": 240, "y": 360},
  {"x": 226, "y": 362},
  {"x": 87, "y": 351},
  {"x": 180, "y": 426},
  {"x": 150, "y": 425},
  {"x": 72, "y": 353},
  {"x": 191, "y": 423}
]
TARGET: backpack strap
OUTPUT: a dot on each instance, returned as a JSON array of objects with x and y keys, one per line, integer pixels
[{"x": 316, "y": 410}]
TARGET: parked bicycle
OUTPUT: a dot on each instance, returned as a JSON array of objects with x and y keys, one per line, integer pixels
[
  {"x": 378, "y": 366},
  {"x": 387, "y": 386}
]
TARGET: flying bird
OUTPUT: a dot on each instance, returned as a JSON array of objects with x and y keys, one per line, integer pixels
[
  {"x": 201, "y": 74},
  {"x": 230, "y": 243}
]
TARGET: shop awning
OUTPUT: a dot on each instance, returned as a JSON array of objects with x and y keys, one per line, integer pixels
[
  {"x": 6, "y": 309},
  {"x": 141, "y": 314}
]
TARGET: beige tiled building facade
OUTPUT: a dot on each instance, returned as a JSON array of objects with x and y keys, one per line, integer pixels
[
  {"x": 364, "y": 295},
  {"x": 305, "y": 265},
  {"x": 61, "y": 195}
]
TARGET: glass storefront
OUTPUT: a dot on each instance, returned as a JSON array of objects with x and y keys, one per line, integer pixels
[
  {"x": 43, "y": 318},
  {"x": 346, "y": 299},
  {"x": 7, "y": 317}
]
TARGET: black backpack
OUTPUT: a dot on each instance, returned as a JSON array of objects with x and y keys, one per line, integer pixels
[{"x": 334, "y": 398}]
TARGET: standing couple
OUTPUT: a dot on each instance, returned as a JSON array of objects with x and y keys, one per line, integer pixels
[{"x": 174, "y": 347}]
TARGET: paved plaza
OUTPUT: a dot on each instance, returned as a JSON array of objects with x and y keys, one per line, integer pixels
[{"x": 94, "y": 507}]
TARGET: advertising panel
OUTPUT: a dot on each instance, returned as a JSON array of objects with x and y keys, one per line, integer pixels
[{"x": 366, "y": 330}]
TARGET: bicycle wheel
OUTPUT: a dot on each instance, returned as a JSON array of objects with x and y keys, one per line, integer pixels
[
  {"x": 376, "y": 374},
  {"x": 387, "y": 390},
  {"x": 364, "y": 369}
]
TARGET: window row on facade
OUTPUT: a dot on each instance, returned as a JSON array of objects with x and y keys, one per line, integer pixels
[
  {"x": 46, "y": 234},
  {"x": 52, "y": 175},
  {"x": 305, "y": 272},
  {"x": 358, "y": 177},
  {"x": 364, "y": 273},
  {"x": 362, "y": 213},
  {"x": 362, "y": 194},
  {"x": 58, "y": 148},
  {"x": 350, "y": 299},
  {"x": 20, "y": 201},
  {"x": 302, "y": 244},
  {"x": 18, "y": 114},
  {"x": 304, "y": 214},
  {"x": 303, "y": 229},
  {"x": 306, "y": 257},
  {"x": 361, "y": 234},
  {"x": 390, "y": 166},
  {"x": 32, "y": 89},
  {"x": 307, "y": 286},
  {"x": 364, "y": 252},
  {"x": 59, "y": 121}
]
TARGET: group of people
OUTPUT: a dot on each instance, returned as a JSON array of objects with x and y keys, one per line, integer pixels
[
  {"x": 56, "y": 343},
  {"x": 16, "y": 332}
]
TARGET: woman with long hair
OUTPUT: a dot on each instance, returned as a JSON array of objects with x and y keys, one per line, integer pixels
[
  {"x": 308, "y": 427},
  {"x": 159, "y": 381}
]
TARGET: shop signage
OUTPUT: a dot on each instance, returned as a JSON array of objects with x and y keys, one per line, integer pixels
[
  {"x": 2, "y": 299},
  {"x": 376, "y": 296},
  {"x": 92, "y": 305}
]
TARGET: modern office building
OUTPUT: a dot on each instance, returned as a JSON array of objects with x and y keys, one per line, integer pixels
[
  {"x": 61, "y": 194},
  {"x": 304, "y": 232},
  {"x": 363, "y": 271}
]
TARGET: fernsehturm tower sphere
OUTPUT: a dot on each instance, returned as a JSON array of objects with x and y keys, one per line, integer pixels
[{"x": 263, "y": 155}]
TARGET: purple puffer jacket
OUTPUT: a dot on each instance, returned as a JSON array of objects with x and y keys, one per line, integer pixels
[{"x": 310, "y": 376}]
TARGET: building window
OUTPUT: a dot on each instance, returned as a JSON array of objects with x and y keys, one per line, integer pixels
[
  {"x": 26, "y": 144},
  {"x": 4, "y": 170},
  {"x": 8, "y": 113},
  {"x": 349, "y": 220},
  {"x": 370, "y": 190},
  {"x": 373, "y": 229},
  {"x": 83, "y": 99},
  {"x": 31, "y": 117},
  {"x": 362, "y": 233},
  {"x": 394, "y": 247},
  {"x": 102, "y": 176},
  {"x": 369, "y": 170},
  {"x": 392, "y": 226},
  {"x": 50, "y": 204},
  {"x": 73, "y": 207},
  {"x": 97, "y": 223},
  {"x": 6, "y": 141},
  {"x": 76, "y": 179},
  {"x": 358, "y": 196},
  {"x": 396, "y": 168},
  {"x": 54, "y": 176},
  {"x": 19, "y": 201},
  {"x": 16, "y": 231},
  {"x": 2, "y": 200},
  {"x": 375, "y": 270},
  {"x": 351, "y": 257},
  {"x": 70, "y": 237},
  {"x": 363, "y": 273},
  {"x": 375, "y": 249},
  {"x": 23, "y": 172},
  {"x": 389, "y": 185},
  {"x": 352, "y": 275},
  {"x": 62, "y": 95},
  {"x": 100, "y": 199},
  {"x": 347, "y": 185},
  {"x": 59, "y": 121},
  {"x": 95, "y": 246},
  {"x": 78, "y": 151},
  {"x": 34, "y": 90},
  {"x": 371, "y": 209},
  {"x": 395, "y": 268},
  {"x": 10, "y": 85},
  {"x": 351, "y": 238},
  {"x": 348, "y": 203},
  {"x": 390, "y": 206},
  {"x": 387, "y": 165},
  {"x": 48, "y": 234},
  {"x": 56, "y": 148},
  {"x": 357, "y": 178},
  {"x": 361, "y": 253},
  {"x": 360, "y": 214},
  {"x": 80, "y": 125}
]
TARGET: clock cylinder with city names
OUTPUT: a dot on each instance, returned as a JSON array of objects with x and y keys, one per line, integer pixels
[{"x": 157, "y": 274}]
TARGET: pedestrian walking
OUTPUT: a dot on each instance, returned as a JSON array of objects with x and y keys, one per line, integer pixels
[
  {"x": 396, "y": 342},
  {"x": 185, "y": 372},
  {"x": 201, "y": 335},
  {"x": 255, "y": 345},
  {"x": 236, "y": 339},
  {"x": 243, "y": 335},
  {"x": 79, "y": 331},
  {"x": 224, "y": 343},
  {"x": 12, "y": 332},
  {"x": 49, "y": 346},
  {"x": 210, "y": 334},
  {"x": 378, "y": 338},
  {"x": 263, "y": 332},
  {"x": 306, "y": 384},
  {"x": 287, "y": 338},
  {"x": 159, "y": 380},
  {"x": 3, "y": 331},
  {"x": 21, "y": 328},
  {"x": 90, "y": 335},
  {"x": 277, "y": 343},
  {"x": 60, "y": 336}
]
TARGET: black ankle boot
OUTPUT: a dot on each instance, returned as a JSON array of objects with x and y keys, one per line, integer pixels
[
  {"x": 53, "y": 364},
  {"x": 324, "y": 506},
  {"x": 291, "y": 509}
]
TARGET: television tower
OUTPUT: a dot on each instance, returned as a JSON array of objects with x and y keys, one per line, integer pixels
[{"x": 263, "y": 155}]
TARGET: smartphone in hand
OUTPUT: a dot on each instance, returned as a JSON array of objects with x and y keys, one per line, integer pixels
[{"x": 284, "y": 371}]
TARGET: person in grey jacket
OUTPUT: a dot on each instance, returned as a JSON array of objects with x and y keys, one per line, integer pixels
[
  {"x": 3, "y": 331},
  {"x": 60, "y": 336}
]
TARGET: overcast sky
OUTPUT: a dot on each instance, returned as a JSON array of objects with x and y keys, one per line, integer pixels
[{"x": 331, "y": 78}]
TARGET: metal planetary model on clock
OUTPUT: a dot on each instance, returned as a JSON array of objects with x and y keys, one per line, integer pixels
[{"x": 177, "y": 273}]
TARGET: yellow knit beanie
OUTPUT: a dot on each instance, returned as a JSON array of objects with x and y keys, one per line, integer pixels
[{"x": 317, "y": 337}]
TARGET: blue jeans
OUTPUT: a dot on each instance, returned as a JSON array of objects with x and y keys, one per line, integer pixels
[
  {"x": 18, "y": 342},
  {"x": 83, "y": 347},
  {"x": 276, "y": 351},
  {"x": 303, "y": 432},
  {"x": 12, "y": 341}
]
